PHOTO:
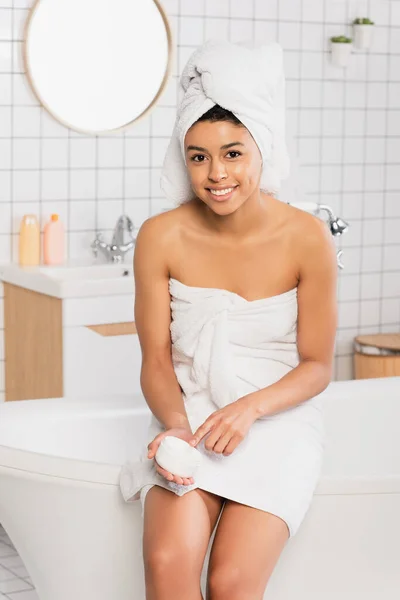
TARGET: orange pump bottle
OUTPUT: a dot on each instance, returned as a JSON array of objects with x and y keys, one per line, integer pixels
[
  {"x": 53, "y": 241},
  {"x": 29, "y": 241}
]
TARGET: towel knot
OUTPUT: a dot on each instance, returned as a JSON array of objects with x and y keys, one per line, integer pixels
[{"x": 213, "y": 343}]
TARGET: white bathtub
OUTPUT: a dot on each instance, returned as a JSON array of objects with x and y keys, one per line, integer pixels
[{"x": 60, "y": 501}]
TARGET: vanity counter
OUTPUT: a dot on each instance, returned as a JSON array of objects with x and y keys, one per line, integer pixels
[{"x": 74, "y": 279}]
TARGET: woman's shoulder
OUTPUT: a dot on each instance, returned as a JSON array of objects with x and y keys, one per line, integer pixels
[
  {"x": 301, "y": 224},
  {"x": 164, "y": 227},
  {"x": 310, "y": 238}
]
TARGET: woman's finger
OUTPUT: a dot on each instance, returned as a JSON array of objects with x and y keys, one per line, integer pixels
[
  {"x": 163, "y": 472},
  {"x": 169, "y": 476},
  {"x": 151, "y": 449},
  {"x": 201, "y": 432},
  {"x": 233, "y": 443},
  {"x": 153, "y": 446},
  {"x": 175, "y": 478},
  {"x": 222, "y": 443},
  {"x": 213, "y": 438},
  {"x": 188, "y": 480}
]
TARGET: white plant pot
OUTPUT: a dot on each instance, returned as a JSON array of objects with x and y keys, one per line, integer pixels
[
  {"x": 341, "y": 52},
  {"x": 363, "y": 35}
]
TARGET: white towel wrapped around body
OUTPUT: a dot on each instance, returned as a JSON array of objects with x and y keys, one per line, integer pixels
[
  {"x": 250, "y": 83},
  {"x": 224, "y": 347}
]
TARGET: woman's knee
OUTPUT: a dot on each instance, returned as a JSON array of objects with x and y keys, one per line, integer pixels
[
  {"x": 169, "y": 574},
  {"x": 174, "y": 567},
  {"x": 176, "y": 532},
  {"x": 162, "y": 561},
  {"x": 230, "y": 583}
]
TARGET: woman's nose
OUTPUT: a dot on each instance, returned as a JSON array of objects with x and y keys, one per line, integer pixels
[{"x": 217, "y": 171}]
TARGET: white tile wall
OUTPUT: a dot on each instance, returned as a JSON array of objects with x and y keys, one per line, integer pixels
[{"x": 346, "y": 123}]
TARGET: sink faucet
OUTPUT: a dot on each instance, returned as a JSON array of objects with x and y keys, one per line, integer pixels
[{"x": 115, "y": 251}]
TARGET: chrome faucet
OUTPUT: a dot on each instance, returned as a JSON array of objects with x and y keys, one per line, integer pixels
[
  {"x": 337, "y": 226},
  {"x": 115, "y": 251}
]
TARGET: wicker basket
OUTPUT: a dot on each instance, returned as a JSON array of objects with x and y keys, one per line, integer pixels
[{"x": 377, "y": 355}]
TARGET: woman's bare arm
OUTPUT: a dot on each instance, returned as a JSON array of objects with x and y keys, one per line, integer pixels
[{"x": 153, "y": 317}]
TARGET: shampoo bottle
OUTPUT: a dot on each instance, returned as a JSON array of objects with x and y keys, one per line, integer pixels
[
  {"x": 53, "y": 241},
  {"x": 29, "y": 241}
]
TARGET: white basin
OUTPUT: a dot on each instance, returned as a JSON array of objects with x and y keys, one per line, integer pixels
[
  {"x": 68, "y": 272},
  {"x": 73, "y": 279}
]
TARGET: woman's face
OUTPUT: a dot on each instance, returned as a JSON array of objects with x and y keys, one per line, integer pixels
[{"x": 222, "y": 156}]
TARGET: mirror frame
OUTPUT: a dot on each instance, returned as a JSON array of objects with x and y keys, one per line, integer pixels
[{"x": 43, "y": 103}]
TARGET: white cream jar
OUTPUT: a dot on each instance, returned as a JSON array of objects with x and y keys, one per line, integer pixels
[{"x": 178, "y": 457}]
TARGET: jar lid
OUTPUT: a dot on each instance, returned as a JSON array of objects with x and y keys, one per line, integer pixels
[{"x": 379, "y": 344}]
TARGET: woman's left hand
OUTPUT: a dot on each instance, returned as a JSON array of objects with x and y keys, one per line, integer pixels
[{"x": 228, "y": 427}]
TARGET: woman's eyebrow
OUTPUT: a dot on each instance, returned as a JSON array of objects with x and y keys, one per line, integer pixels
[{"x": 222, "y": 147}]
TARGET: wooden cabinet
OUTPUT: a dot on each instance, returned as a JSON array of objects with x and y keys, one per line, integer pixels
[{"x": 69, "y": 347}]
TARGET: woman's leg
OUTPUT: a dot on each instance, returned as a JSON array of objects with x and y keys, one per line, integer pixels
[
  {"x": 246, "y": 547},
  {"x": 177, "y": 531}
]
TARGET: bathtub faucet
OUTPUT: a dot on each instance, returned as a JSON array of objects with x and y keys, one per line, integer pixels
[
  {"x": 115, "y": 251},
  {"x": 336, "y": 225}
]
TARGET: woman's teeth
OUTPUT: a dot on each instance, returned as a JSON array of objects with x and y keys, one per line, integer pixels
[{"x": 221, "y": 192}]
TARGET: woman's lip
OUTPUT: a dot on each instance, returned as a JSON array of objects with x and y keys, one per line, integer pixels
[{"x": 223, "y": 196}]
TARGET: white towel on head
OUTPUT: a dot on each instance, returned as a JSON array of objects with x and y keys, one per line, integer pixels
[{"x": 250, "y": 83}]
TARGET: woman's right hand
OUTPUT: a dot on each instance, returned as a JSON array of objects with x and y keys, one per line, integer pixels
[{"x": 179, "y": 432}]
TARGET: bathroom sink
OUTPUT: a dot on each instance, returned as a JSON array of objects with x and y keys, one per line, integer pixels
[
  {"x": 72, "y": 280},
  {"x": 68, "y": 273}
]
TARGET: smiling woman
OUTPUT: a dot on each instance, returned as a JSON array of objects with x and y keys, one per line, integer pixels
[{"x": 235, "y": 311}]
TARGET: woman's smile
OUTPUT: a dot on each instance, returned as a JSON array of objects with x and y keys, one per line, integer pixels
[{"x": 221, "y": 194}]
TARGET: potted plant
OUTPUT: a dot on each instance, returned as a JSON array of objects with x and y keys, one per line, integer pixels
[
  {"x": 363, "y": 29},
  {"x": 341, "y": 46}
]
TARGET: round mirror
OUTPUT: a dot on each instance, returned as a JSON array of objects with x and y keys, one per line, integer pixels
[{"x": 97, "y": 65}]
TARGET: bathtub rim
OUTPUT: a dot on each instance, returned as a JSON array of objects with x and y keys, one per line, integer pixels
[
  {"x": 43, "y": 465},
  {"x": 35, "y": 463}
]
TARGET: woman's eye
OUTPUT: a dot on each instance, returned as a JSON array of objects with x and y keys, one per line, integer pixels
[{"x": 202, "y": 155}]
